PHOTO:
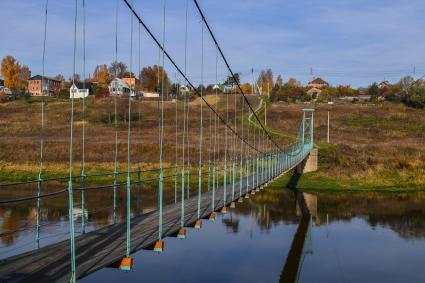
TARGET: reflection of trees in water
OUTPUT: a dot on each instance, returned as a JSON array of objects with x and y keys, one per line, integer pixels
[
  {"x": 20, "y": 218},
  {"x": 269, "y": 208},
  {"x": 402, "y": 213},
  {"x": 231, "y": 223}
]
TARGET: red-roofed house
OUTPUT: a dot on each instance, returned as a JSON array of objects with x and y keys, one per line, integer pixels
[{"x": 317, "y": 83}]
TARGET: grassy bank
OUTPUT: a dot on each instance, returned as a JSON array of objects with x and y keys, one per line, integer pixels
[{"x": 373, "y": 147}]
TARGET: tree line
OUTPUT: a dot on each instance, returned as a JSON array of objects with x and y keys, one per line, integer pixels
[{"x": 155, "y": 79}]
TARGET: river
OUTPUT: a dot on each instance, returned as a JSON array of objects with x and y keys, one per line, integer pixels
[{"x": 349, "y": 237}]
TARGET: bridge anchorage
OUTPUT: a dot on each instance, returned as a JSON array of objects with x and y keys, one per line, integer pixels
[{"x": 234, "y": 160}]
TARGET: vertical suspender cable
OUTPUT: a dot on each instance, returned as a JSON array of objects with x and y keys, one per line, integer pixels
[
  {"x": 225, "y": 154},
  {"x": 70, "y": 192},
  {"x": 242, "y": 151},
  {"x": 40, "y": 173},
  {"x": 235, "y": 158},
  {"x": 139, "y": 146},
  {"x": 116, "y": 115},
  {"x": 188, "y": 102},
  {"x": 201, "y": 130},
  {"x": 254, "y": 156},
  {"x": 188, "y": 147},
  {"x": 183, "y": 162},
  {"x": 209, "y": 151},
  {"x": 129, "y": 145},
  {"x": 161, "y": 173},
  {"x": 177, "y": 144},
  {"x": 83, "y": 159},
  {"x": 247, "y": 157},
  {"x": 184, "y": 126},
  {"x": 215, "y": 177}
]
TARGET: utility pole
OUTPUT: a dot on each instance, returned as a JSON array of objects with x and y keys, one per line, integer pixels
[
  {"x": 265, "y": 113},
  {"x": 328, "y": 139}
]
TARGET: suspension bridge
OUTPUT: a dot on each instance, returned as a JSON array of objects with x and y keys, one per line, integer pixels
[{"x": 236, "y": 157}]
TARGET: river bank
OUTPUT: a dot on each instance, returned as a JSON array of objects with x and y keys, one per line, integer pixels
[{"x": 372, "y": 147}]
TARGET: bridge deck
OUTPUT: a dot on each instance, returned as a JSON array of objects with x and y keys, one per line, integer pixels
[{"x": 101, "y": 248}]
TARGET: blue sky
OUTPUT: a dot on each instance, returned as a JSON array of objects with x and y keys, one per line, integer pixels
[{"x": 345, "y": 41}]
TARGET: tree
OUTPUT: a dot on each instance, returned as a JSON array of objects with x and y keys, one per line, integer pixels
[
  {"x": 11, "y": 70},
  {"x": 265, "y": 81},
  {"x": 293, "y": 82},
  {"x": 117, "y": 69},
  {"x": 25, "y": 74},
  {"x": 373, "y": 90},
  {"x": 417, "y": 97},
  {"x": 231, "y": 81},
  {"x": 75, "y": 78},
  {"x": 151, "y": 79},
  {"x": 347, "y": 90},
  {"x": 406, "y": 85},
  {"x": 394, "y": 93},
  {"x": 60, "y": 78},
  {"x": 291, "y": 92},
  {"x": 279, "y": 81},
  {"x": 246, "y": 88},
  {"x": 102, "y": 76}
]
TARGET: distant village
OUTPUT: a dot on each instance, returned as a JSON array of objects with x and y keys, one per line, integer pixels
[{"x": 153, "y": 81}]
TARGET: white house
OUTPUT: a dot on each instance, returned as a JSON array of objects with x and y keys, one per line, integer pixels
[
  {"x": 314, "y": 92},
  {"x": 5, "y": 90},
  {"x": 119, "y": 87},
  {"x": 384, "y": 84},
  {"x": 75, "y": 93}
]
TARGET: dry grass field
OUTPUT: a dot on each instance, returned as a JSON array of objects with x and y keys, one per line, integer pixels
[
  {"x": 373, "y": 147},
  {"x": 20, "y": 135}
]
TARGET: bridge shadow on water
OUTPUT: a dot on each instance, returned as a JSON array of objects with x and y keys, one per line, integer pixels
[{"x": 294, "y": 260}]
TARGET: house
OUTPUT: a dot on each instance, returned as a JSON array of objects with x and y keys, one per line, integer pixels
[
  {"x": 50, "y": 86},
  {"x": 150, "y": 94},
  {"x": 314, "y": 92},
  {"x": 76, "y": 93},
  {"x": 119, "y": 87},
  {"x": 130, "y": 81},
  {"x": 317, "y": 83},
  {"x": 5, "y": 90},
  {"x": 384, "y": 84}
]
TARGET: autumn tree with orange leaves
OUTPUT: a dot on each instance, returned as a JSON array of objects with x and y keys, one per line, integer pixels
[{"x": 14, "y": 79}]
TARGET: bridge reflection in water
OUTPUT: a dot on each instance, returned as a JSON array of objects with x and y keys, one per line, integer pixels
[{"x": 306, "y": 205}]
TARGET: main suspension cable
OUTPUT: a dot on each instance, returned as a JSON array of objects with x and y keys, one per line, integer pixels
[
  {"x": 165, "y": 53},
  {"x": 232, "y": 73}
]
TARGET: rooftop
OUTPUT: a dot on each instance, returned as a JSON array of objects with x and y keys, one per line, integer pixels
[
  {"x": 38, "y": 78},
  {"x": 318, "y": 81}
]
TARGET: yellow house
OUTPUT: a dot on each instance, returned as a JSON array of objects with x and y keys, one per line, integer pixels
[{"x": 317, "y": 83}]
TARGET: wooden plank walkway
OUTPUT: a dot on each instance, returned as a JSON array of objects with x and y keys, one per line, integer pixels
[{"x": 101, "y": 248}]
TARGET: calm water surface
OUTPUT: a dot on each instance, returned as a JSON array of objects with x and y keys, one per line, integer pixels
[{"x": 352, "y": 237}]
